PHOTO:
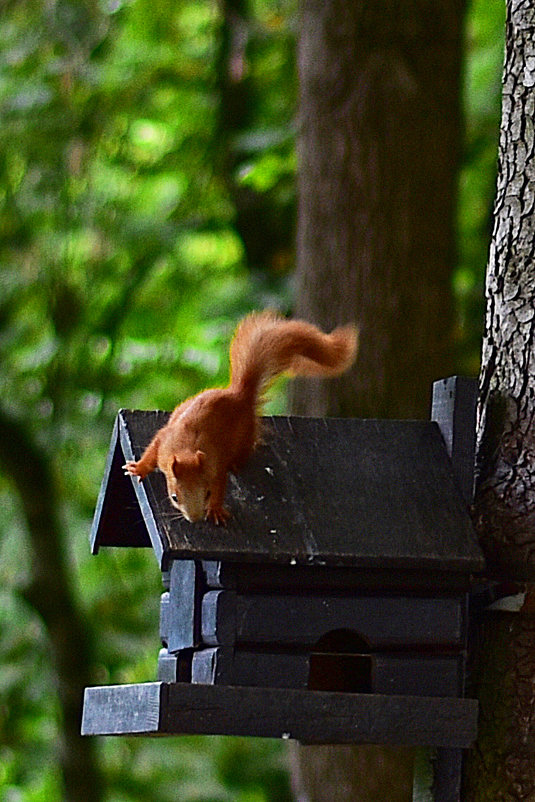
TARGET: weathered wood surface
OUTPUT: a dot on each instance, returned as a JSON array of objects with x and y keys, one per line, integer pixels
[
  {"x": 387, "y": 673},
  {"x": 448, "y": 775},
  {"x": 365, "y": 493},
  {"x": 226, "y": 666},
  {"x": 312, "y": 717},
  {"x": 181, "y": 617},
  {"x": 167, "y": 666},
  {"x": 427, "y": 676},
  {"x": 228, "y": 618},
  {"x": 245, "y": 577},
  {"x": 120, "y": 709},
  {"x": 454, "y": 409}
]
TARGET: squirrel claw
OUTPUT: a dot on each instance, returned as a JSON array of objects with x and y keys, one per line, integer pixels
[
  {"x": 130, "y": 468},
  {"x": 217, "y": 515}
]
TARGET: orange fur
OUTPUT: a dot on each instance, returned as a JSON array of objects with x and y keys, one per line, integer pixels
[{"x": 217, "y": 430}]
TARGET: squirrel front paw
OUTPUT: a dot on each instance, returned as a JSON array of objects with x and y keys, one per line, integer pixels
[
  {"x": 132, "y": 468},
  {"x": 217, "y": 515}
]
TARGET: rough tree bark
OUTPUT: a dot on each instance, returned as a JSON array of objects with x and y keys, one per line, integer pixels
[
  {"x": 379, "y": 143},
  {"x": 502, "y": 767}
]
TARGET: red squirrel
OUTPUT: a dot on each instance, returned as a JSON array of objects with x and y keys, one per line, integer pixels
[{"x": 217, "y": 430}]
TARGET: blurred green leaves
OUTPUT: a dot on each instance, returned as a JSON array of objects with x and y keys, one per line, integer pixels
[
  {"x": 477, "y": 180},
  {"x": 122, "y": 274}
]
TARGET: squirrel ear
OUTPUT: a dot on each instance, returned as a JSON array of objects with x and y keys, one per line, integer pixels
[
  {"x": 201, "y": 456},
  {"x": 177, "y": 468}
]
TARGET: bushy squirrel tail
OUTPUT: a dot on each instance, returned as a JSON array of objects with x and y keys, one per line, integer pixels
[{"x": 265, "y": 345}]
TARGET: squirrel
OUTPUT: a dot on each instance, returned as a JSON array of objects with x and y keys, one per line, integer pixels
[{"x": 217, "y": 430}]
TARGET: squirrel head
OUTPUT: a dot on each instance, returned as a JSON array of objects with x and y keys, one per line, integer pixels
[{"x": 187, "y": 485}]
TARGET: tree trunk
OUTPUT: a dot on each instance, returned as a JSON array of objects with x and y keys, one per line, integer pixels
[
  {"x": 379, "y": 147},
  {"x": 502, "y": 767},
  {"x": 506, "y": 437},
  {"x": 352, "y": 773}
]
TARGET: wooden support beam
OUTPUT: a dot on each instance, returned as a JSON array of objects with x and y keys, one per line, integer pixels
[{"x": 312, "y": 717}]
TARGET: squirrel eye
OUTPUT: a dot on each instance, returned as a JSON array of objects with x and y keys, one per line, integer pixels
[{"x": 174, "y": 497}]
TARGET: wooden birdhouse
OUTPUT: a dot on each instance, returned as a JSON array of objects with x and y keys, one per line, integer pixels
[{"x": 332, "y": 608}]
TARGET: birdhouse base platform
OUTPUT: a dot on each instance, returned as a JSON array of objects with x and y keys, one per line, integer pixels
[{"x": 161, "y": 708}]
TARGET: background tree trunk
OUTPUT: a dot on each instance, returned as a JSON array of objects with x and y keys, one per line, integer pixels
[
  {"x": 379, "y": 145},
  {"x": 502, "y": 767},
  {"x": 379, "y": 148}
]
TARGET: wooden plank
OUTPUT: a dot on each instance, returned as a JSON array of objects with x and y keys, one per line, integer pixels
[
  {"x": 312, "y": 717},
  {"x": 454, "y": 409},
  {"x": 448, "y": 775},
  {"x": 228, "y": 618},
  {"x": 226, "y": 666},
  {"x": 119, "y": 709},
  {"x": 271, "y": 670},
  {"x": 425, "y": 675},
  {"x": 363, "y": 493},
  {"x": 213, "y": 666},
  {"x": 181, "y": 615},
  {"x": 167, "y": 666},
  {"x": 391, "y": 675},
  {"x": 321, "y": 717},
  {"x": 273, "y": 578},
  {"x": 218, "y": 618}
]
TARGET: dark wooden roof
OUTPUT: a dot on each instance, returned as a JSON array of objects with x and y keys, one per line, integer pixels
[{"x": 338, "y": 492}]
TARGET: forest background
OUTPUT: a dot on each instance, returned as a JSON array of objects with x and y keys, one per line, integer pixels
[{"x": 144, "y": 207}]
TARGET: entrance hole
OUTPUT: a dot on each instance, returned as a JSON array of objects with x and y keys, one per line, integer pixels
[{"x": 341, "y": 661}]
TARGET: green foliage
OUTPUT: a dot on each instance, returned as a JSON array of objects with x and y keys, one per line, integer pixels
[
  {"x": 203, "y": 769},
  {"x": 139, "y": 219},
  {"x": 122, "y": 275}
]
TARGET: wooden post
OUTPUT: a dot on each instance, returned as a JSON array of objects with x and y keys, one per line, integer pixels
[
  {"x": 454, "y": 409},
  {"x": 437, "y": 775},
  {"x": 447, "y": 775}
]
